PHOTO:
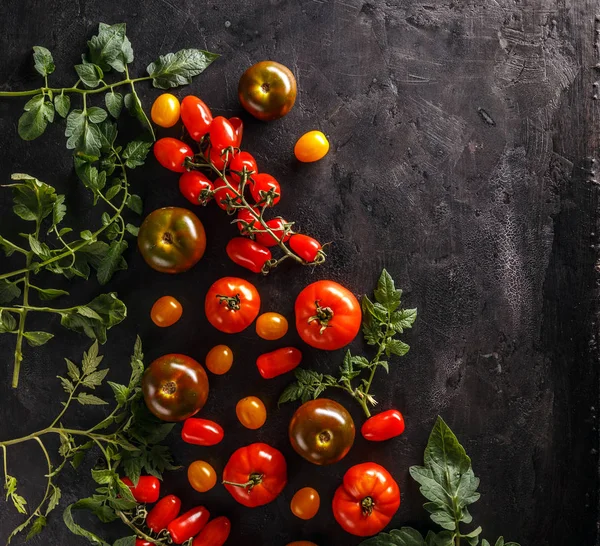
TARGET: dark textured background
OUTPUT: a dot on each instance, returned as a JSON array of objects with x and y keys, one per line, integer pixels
[{"x": 463, "y": 135}]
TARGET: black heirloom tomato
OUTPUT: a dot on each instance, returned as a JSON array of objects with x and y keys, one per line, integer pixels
[{"x": 175, "y": 387}]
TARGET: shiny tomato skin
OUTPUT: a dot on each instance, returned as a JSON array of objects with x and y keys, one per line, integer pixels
[
  {"x": 277, "y": 226},
  {"x": 215, "y": 533},
  {"x": 196, "y": 116},
  {"x": 222, "y": 134},
  {"x": 201, "y": 432},
  {"x": 306, "y": 247},
  {"x": 238, "y": 127},
  {"x": 196, "y": 187},
  {"x": 142, "y": 542},
  {"x": 249, "y": 220},
  {"x": 383, "y": 426},
  {"x": 367, "y": 499},
  {"x": 311, "y": 147},
  {"x": 278, "y": 362},
  {"x": 218, "y": 159},
  {"x": 239, "y": 161},
  {"x": 147, "y": 489},
  {"x": 251, "y": 412},
  {"x": 224, "y": 194},
  {"x": 267, "y": 90},
  {"x": 338, "y": 315},
  {"x": 271, "y": 326},
  {"x": 219, "y": 359},
  {"x": 171, "y": 153},
  {"x": 260, "y": 185},
  {"x": 165, "y": 110},
  {"x": 172, "y": 240},
  {"x": 261, "y": 464},
  {"x": 305, "y": 503},
  {"x": 163, "y": 513},
  {"x": 202, "y": 476},
  {"x": 248, "y": 253},
  {"x": 175, "y": 387},
  {"x": 231, "y": 304},
  {"x": 322, "y": 431},
  {"x": 188, "y": 524},
  {"x": 166, "y": 311}
]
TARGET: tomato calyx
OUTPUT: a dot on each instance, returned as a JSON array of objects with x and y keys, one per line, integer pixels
[
  {"x": 323, "y": 315},
  {"x": 233, "y": 303},
  {"x": 367, "y": 505},
  {"x": 169, "y": 388},
  {"x": 254, "y": 479}
]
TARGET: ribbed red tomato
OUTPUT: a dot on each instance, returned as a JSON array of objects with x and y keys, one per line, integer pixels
[{"x": 231, "y": 304}]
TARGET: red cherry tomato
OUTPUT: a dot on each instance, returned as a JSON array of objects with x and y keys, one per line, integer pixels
[
  {"x": 196, "y": 116},
  {"x": 306, "y": 247},
  {"x": 215, "y": 533},
  {"x": 239, "y": 161},
  {"x": 248, "y": 253},
  {"x": 201, "y": 432},
  {"x": 222, "y": 134},
  {"x": 163, "y": 513},
  {"x": 224, "y": 194},
  {"x": 238, "y": 127},
  {"x": 255, "y": 474},
  {"x": 265, "y": 190},
  {"x": 328, "y": 316},
  {"x": 278, "y": 362},
  {"x": 231, "y": 304},
  {"x": 147, "y": 489},
  {"x": 188, "y": 525},
  {"x": 383, "y": 426},
  {"x": 196, "y": 187},
  {"x": 217, "y": 159},
  {"x": 142, "y": 542},
  {"x": 277, "y": 225},
  {"x": 249, "y": 220},
  {"x": 171, "y": 153},
  {"x": 367, "y": 499}
]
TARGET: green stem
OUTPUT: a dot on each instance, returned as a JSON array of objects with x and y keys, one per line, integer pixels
[
  {"x": 137, "y": 531},
  {"x": 61, "y": 431},
  {"x": 5, "y": 466},
  {"x": 13, "y": 246}
]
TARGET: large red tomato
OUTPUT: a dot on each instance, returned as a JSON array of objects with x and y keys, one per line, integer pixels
[{"x": 231, "y": 304}]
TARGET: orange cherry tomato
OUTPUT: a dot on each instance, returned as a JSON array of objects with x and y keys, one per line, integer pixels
[
  {"x": 219, "y": 359},
  {"x": 311, "y": 146},
  {"x": 165, "y": 110},
  {"x": 166, "y": 311},
  {"x": 278, "y": 362},
  {"x": 202, "y": 476},
  {"x": 271, "y": 326},
  {"x": 251, "y": 412},
  {"x": 305, "y": 503},
  {"x": 215, "y": 533}
]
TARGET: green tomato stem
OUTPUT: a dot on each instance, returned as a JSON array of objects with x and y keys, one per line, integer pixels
[{"x": 137, "y": 531}]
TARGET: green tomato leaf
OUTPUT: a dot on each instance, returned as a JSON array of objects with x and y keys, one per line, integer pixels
[
  {"x": 179, "y": 68},
  {"x": 108, "y": 135},
  {"x": 95, "y": 379},
  {"x": 110, "y": 48},
  {"x": 83, "y": 136},
  {"x": 347, "y": 371},
  {"x": 114, "y": 103},
  {"x": 110, "y": 194},
  {"x": 112, "y": 261},
  {"x": 134, "y": 106},
  {"x": 62, "y": 104},
  {"x": 7, "y": 322},
  {"x": 386, "y": 293},
  {"x": 403, "y": 319},
  {"x": 35, "y": 339},
  {"x": 34, "y": 200},
  {"x": 59, "y": 209},
  {"x": 38, "y": 113},
  {"x": 86, "y": 399},
  {"x": 90, "y": 176},
  {"x": 397, "y": 537},
  {"x": 134, "y": 202},
  {"x": 43, "y": 61},
  {"x": 96, "y": 114},
  {"x": 36, "y": 528},
  {"x": 121, "y": 393},
  {"x": 396, "y": 347},
  {"x": 134, "y": 230},
  {"x": 73, "y": 370},
  {"x": 8, "y": 291},
  {"x": 83, "y": 504},
  {"x": 90, "y": 74},
  {"x": 54, "y": 499},
  {"x": 135, "y": 153},
  {"x": 126, "y": 541}
]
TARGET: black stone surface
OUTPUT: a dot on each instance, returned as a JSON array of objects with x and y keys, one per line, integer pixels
[{"x": 463, "y": 137}]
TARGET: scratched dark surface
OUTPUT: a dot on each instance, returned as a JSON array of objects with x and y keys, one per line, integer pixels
[{"x": 463, "y": 134}]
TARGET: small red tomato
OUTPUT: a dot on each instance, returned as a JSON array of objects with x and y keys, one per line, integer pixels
[
  {"x": 306, "y": 247},
  {"x": 201, "y": 432},
  {"x": 224, "y": 195},
  {"x": 277, "y": 226},
  {"x": 248, "y": 220},
  {"x": 196, "y": 187},
  {"x": 163, "y": 513},
  {"x": 217, "y": 159},
  {"x": 248, "y": 253},
  {"x": 241, "y": 161},
  {"x": 171, "y": 153},
  {"x": 222, "y": 134},
  {"x": 238, "y": 127},
  {"x": 147, "y": 489},
  {"x": 188, "y": 525},
  {"x": 383, "y": 426},
  {"x": 196, "y": 116},
  {"x": 142, "y": 542},
  {"x": 215, "y": 533},
  {"x": 278, "y": 362},
  {"x": 265, "y": 190}
]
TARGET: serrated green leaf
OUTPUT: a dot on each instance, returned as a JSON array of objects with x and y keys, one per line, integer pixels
[
  {"x": 8, "y": 291},
  {"x": 347, "y": 371},
  {"x": 34, "y": 120},
  {"x": 135, "y": 109},
  {"x": 7, "y": 322},
  {"x": 95, "y": 379},
  {"x": 405, "y": 318},
  {"x": 35, "y": 339},
  {"x": 114, "y": 103},
  {"x": 112, "y": 261},
  {"x": 66, "y": 384},
  {"x": 36, "y": 527},
  {"x": 77, "y": 529},
  {"x": 43, "y": 61},
  {"x": 86, "y": 399},
  {"x": 96, "y": 114},
  {"x": 110, "y": 48},
  {"x": 73, "y": 370},
  {"x": 90, "y": 74},
  {"x": 386, "y": 293},
  {"x": 134, "y": 202},
  {"x": 179, "y": 68},
  {"x": 54, "y": 499},
  {"x": 134, "y": 230},
  {"x": 121, "y": 393},
  {"x": 59, "y": 209},
  {"x": 135, "y": 153},
  {"x": 396, "y": 347},
  {"x": 34, "y": 200},
  {"x": 406, "y": 536},
  {"x": 83, "y": 136},
  {"x": 103, "y": 476},
  {"x": 110, "y": 194},
  {"x": 107, "y": 131},
  {"x": 62, "y": 105}
]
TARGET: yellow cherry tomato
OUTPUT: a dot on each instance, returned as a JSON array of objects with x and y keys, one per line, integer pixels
[
  {"x": 311, "y": 146},
  {"x": 165, "y": 110},
  {"x": 271, "y": 326},
  {"x": 202, "y": 476},
  {"x": 251, "y": 412},
  {"x": 166, "y": 311},
  {"x": 219, "y": 359},
  {"x": 305, "y": 503}
]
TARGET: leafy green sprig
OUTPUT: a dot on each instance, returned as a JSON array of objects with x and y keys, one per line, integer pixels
[
  {"x": 449, "y": 484},
  {"x": 383, "y": 320},
  {"x": 128, "y": 439}
]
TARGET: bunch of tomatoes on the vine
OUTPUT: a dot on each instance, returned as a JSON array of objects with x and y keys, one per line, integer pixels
[{"x": 327, "y": 317}]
